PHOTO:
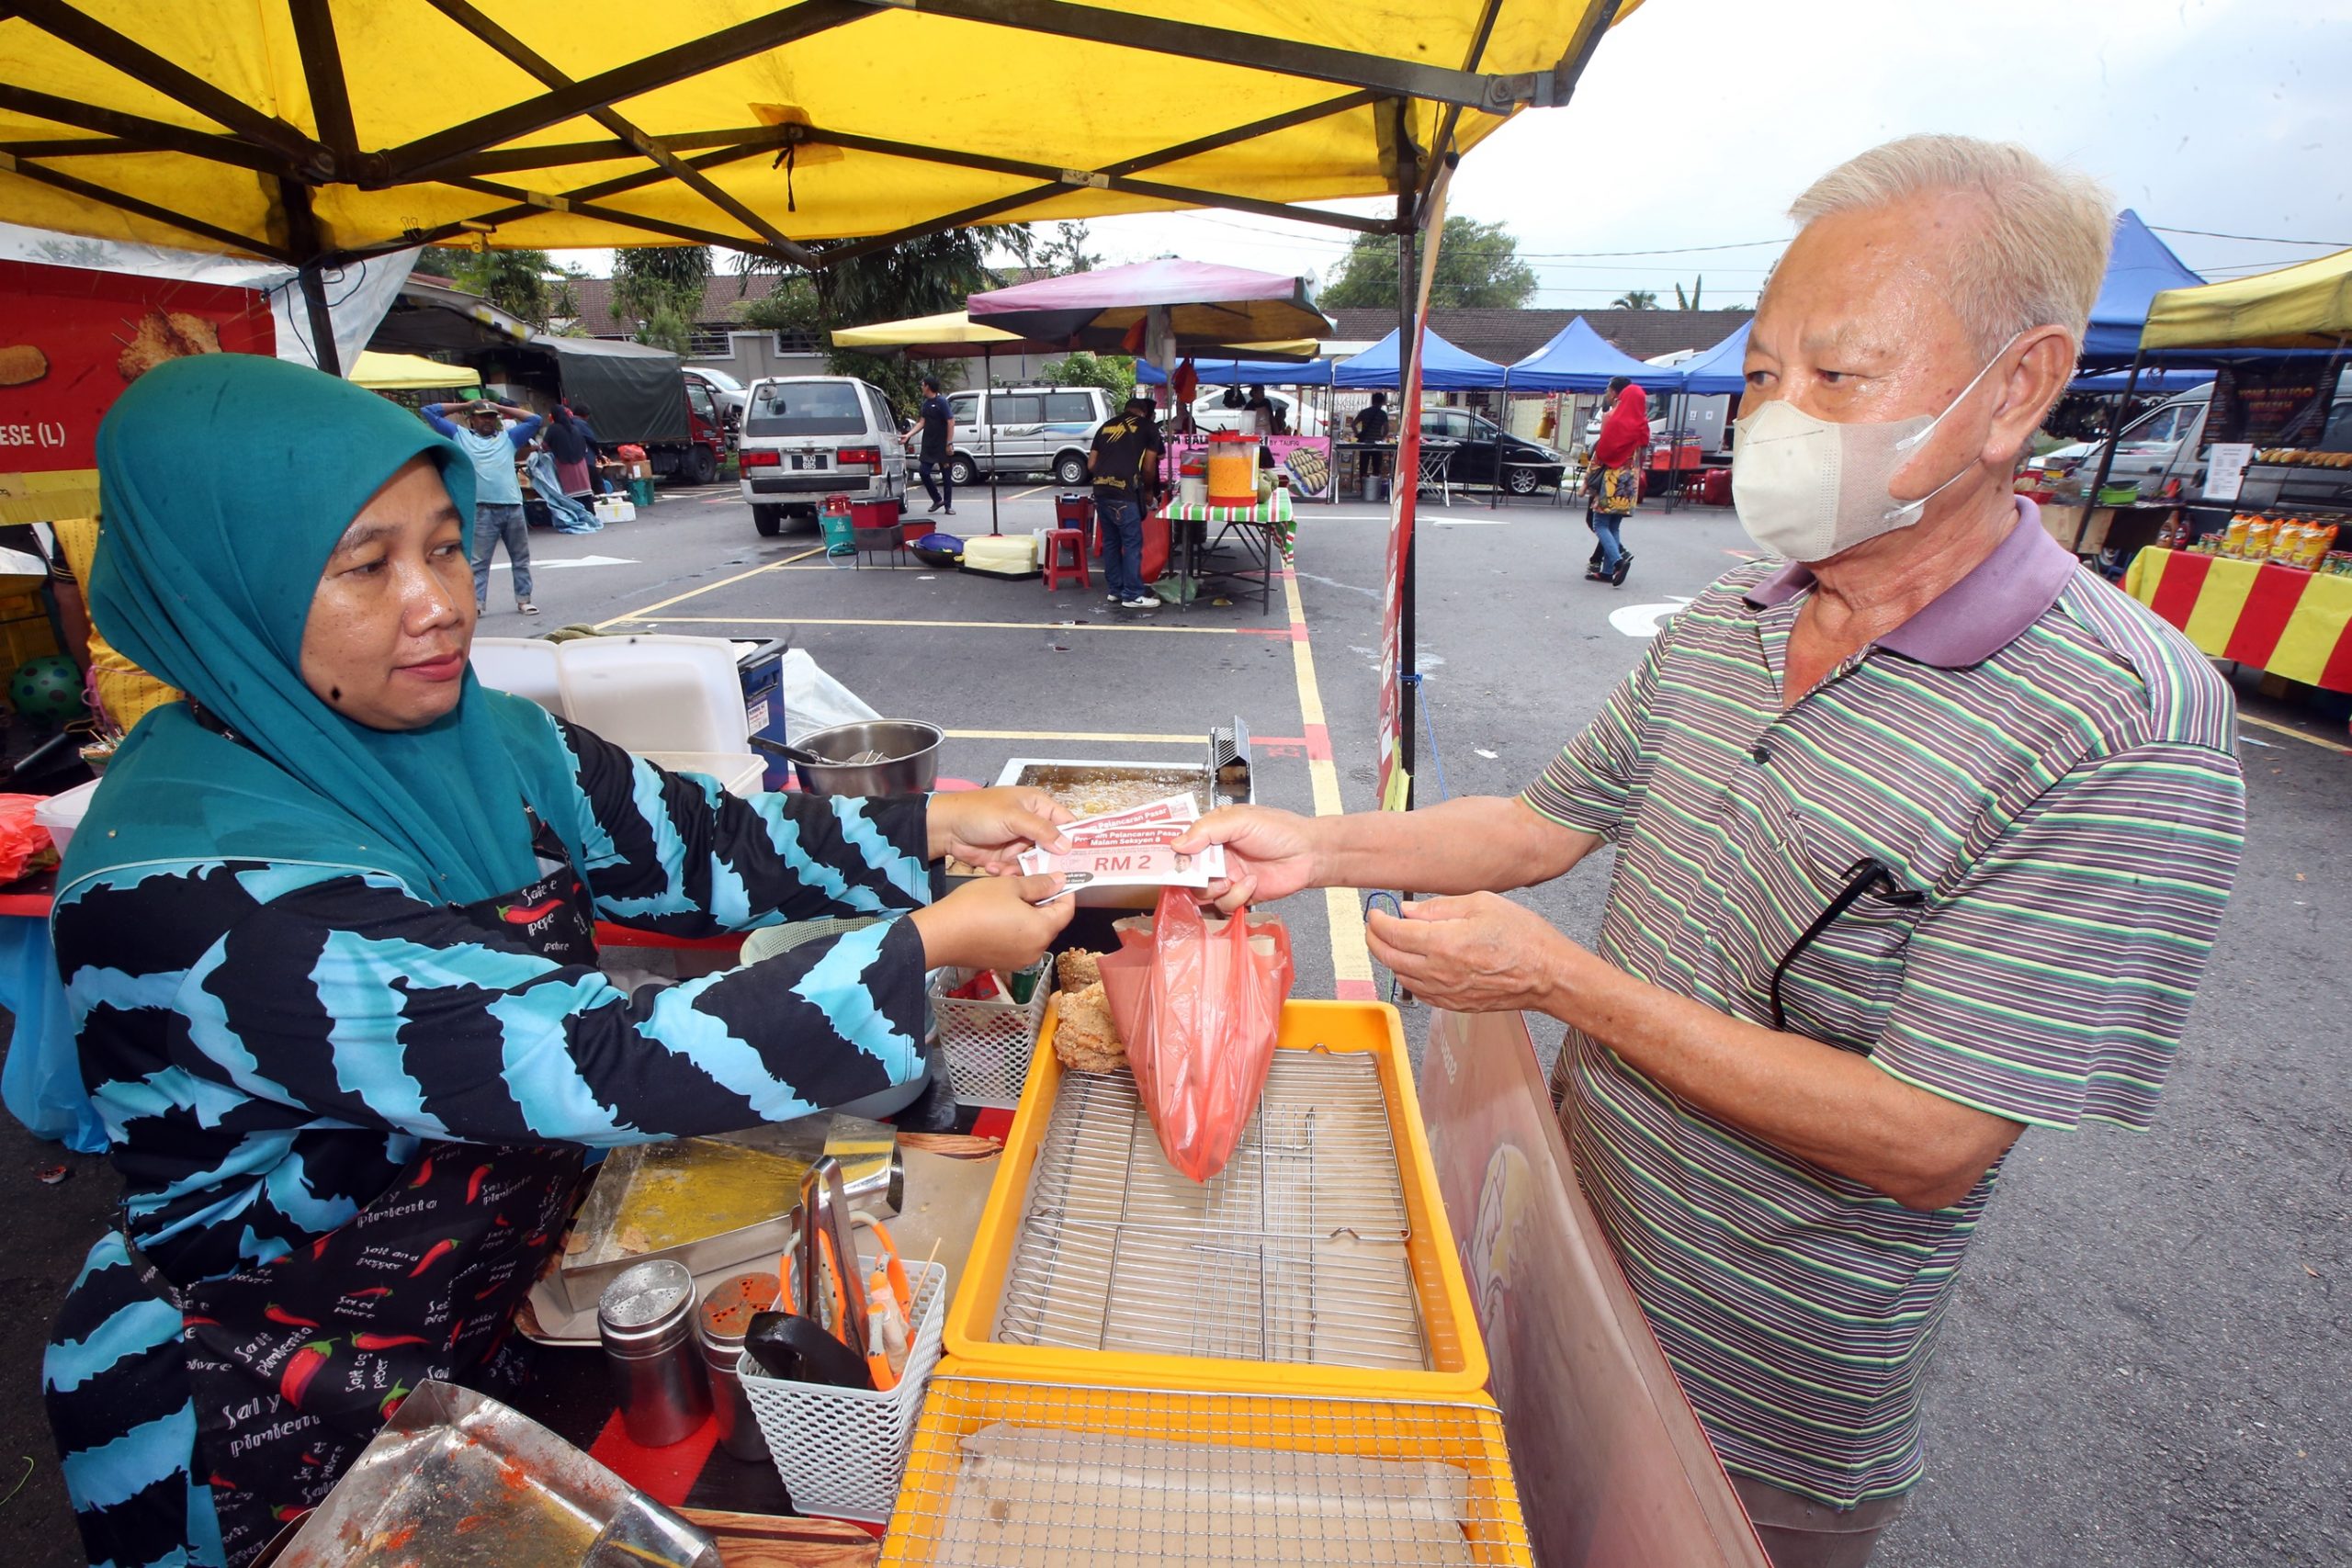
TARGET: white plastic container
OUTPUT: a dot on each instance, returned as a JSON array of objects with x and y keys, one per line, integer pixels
[
  {"x": 615, "y": 509},
  {"x": 526, "y": 666},
  {"x": 61, "y": 814},
  {"x": 657, "y": 694},
  {"x": 1193, "y": 489},
  {"x": 842, "y": 1451}
]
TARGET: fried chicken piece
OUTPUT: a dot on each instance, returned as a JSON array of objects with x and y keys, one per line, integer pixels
[
  {"x": 1086, "y": 1040},
  {"x": 195, "y": 335},
  {"x": 1077, "y": 969},
  {"x": 160, "y": 337}
]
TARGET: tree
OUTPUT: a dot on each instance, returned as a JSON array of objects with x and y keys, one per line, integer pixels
[
  {"x": 1114, "y": 373},
  {"x": 514, "y": 281},
  {"x": 660, "y": 287},
  {"x": 1477, "y": 264},
  {"x": 1055, "y": 250},
  {"x": 1693, "y": 302},
  {"x": 1634, "y": 299},
  {"x": 924, "y": 276}
]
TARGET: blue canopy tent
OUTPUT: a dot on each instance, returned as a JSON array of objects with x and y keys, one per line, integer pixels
[
  {"x": 1445, "y": 369},
  {"x": 2139, "y": 267},
  {"x": 1578, "y": 359},
  {"x": 1720, "y": 371}
]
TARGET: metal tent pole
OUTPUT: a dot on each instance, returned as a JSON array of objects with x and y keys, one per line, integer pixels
[
  {"x": 988, "y": 422},
  {"x": 2107, "y": 453},
  {"x": 1408, "y": 660}
]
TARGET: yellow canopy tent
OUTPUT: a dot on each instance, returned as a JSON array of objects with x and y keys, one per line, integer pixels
[
  {"x": 314, "y": 130},
  {"x": 2308, "y": 305},
  {"x": 949, "y": 335},
  {"x": 408, "y": 372}
]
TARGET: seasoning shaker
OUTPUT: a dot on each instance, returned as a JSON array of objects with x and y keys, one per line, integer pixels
[
  {"x": 726, "y": 1318},
  {"x": 645, "y": 1319}
]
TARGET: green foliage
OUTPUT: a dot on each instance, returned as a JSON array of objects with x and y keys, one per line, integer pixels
[
  {"x": 653, "y": 283},
  {"x": 1477, "y": 264},
  {"x": 1054, "y": 249},
  {"x": 1634, "y": 299},
  {"x": 1691, "y": 303},
  {"x": 667, "y": 329},
  {"x": 518, "y": 282},
  {"x": 921, "y": 278},
  {"x": 1114, "y": 373}
]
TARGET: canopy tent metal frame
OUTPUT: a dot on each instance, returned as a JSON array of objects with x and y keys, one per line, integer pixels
[{"x": 478, "y": 154}]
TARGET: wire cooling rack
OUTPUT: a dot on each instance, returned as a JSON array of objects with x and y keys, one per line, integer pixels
[
  {"x": 1040, "y": 1476},
  {"x": 1295, "y": 1252}
]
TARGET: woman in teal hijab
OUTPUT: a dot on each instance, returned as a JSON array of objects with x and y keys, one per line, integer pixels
[{"x": 328, "y": 937}]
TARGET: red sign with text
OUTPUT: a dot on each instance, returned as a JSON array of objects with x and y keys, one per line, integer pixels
[{"x": 71, "y": 340}]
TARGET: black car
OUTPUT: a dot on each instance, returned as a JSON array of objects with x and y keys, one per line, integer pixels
[{"x": 1478, "y": 447}]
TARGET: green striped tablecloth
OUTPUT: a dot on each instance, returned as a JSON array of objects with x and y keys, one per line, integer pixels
[{"x": 1276, "y": 513}]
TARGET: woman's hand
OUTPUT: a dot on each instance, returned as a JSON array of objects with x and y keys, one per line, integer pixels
[
  {"x": 997, "y": 923},
  {"x": 1269, "y": 855},
  {"x": 988, "y": 829}
]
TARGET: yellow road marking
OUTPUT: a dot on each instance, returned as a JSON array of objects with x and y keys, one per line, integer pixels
[
  {"x": 1351, "y": 959},
  {"x": 682, "y": 598},
  {"x": 2305, "y": 736},
  {"x": 968, "y": 626}
]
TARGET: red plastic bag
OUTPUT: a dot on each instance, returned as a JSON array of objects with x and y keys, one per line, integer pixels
[
  {"x": 24, "y": 843},
  {"x": 1199, "y": 1002}
]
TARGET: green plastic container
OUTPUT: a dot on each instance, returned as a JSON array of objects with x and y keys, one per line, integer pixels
[{"x": 640, "y": 491}]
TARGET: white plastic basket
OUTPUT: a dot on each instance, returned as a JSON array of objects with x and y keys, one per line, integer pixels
[
  {"x": 988, "y": 1045},
  {"x": 842, "y": 1450}
]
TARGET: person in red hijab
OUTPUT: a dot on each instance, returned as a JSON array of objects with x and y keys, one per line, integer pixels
[{"x": 1613, "y": 476}]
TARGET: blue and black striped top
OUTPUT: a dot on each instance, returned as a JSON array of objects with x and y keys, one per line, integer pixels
[{"x": 270, "y": 1042}]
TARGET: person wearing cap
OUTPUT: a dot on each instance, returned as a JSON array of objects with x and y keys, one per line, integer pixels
[
  {"x": 1125, "y": 462},
  {"x": 491, "y": 445}
]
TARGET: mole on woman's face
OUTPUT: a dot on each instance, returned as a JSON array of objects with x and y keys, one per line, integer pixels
[{"x": 335, "y": 693}]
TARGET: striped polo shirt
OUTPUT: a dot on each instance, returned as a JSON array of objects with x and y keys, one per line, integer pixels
[{"x": 2048, "y": 773}]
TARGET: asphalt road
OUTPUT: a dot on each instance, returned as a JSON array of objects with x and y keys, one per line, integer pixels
[{"x": 2146, "y": 1363}]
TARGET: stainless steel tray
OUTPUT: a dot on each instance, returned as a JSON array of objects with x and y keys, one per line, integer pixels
[
  {"x": 458, "y": 1480},
  {"x": 1294, "y": 1253}
]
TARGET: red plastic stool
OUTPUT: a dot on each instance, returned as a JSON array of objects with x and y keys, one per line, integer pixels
[{"x": 1058, "y": 569}]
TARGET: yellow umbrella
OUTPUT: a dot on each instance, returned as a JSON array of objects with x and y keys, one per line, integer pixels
[
  {"x": 409, "y": 372},
  {"x": 309, "y": 130},
  {"x": 950, "y": 336},
  {"x": 2308, "y": 305}
]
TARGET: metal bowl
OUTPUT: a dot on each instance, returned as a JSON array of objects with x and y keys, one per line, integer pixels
[{"x": 910, "y": 747}]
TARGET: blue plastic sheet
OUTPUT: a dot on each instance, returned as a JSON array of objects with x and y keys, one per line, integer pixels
[{"x": 42, "y": 1082}]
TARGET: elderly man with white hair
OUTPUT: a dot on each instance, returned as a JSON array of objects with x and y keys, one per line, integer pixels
[{"x": 1922, "y": 834}]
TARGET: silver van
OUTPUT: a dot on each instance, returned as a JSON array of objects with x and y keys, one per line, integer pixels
[
  {"x": 2168, "y": 443},
  {"x": 1026, "y": 430},
  {"x": 805, "y": 438}
]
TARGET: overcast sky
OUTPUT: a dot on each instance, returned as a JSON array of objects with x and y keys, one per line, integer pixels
[{"x": 1698, "y": 121}]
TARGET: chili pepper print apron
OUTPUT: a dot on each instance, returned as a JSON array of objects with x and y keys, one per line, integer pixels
[{"x": 294, "y": 1366}]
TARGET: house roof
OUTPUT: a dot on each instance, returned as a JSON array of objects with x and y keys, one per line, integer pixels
[
  {"x": 1507, "y": 337},
  {"x": 722, "y": 300}
]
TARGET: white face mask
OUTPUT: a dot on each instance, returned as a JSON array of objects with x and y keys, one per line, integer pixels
[{"x": 1810, "y": 488}]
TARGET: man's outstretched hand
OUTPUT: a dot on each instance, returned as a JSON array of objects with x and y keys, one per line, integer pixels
[
  {"x": 1479, "y": 953},
  {"x": 1269, "y": 855}
]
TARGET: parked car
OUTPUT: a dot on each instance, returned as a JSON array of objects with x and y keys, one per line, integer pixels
[
  {"x": 1026, "y": 430},
  {"x": 2168, "y": 443},
  {"x": 1209, "y": 413},
  {"x": 805, "y": 438},
  {"x": 725, "y": 390},
  {"x": 1526, "y": 466}
]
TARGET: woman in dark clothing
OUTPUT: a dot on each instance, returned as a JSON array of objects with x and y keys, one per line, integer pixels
[
  {"x": 567, "y": 442},
  {"x": 328, "y": 937}
]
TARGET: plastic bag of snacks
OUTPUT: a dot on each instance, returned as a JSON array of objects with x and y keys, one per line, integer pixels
[{"x": 1199, "y": 1003}]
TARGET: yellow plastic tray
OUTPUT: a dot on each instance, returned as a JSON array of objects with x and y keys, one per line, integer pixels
[
  {"x": 1457, "y": 1353},
  {"x": 1128, "y": 1465}
]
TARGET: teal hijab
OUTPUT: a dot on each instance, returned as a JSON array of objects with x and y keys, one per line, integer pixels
[{"x": 225, "y": 482}]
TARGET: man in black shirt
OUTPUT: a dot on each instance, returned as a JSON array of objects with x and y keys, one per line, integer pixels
[
  {"x": 1371, "y": 424},
  {"x": 1124, "y": 461},
  {"x": 938, "y": 420}
]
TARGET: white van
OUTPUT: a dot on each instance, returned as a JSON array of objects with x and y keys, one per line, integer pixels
[
  {"x": 805, "y": 438},
  {"x": 1209, "y": 413},
  {"x": 1026, "y": 430}
]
